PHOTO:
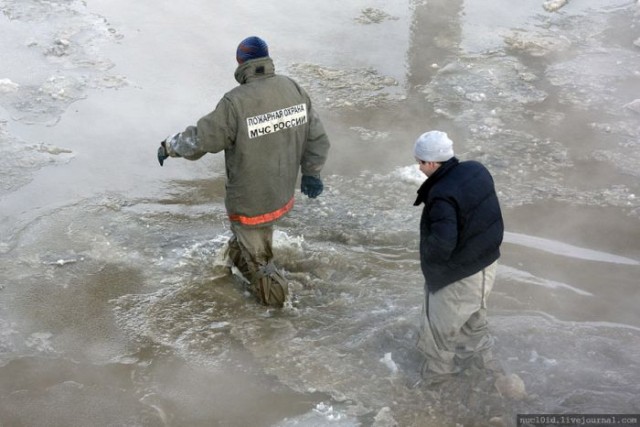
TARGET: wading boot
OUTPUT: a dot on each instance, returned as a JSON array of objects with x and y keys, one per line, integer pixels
[{"x": 270, "y": 286}]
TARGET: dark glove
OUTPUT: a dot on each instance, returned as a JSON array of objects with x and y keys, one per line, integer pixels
[
  {"x": 162, "y": 153},
  {"x": 311, "y": 185}
]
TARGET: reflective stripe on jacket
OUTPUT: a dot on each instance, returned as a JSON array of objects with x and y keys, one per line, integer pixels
[{"x": 264, "y": 218}]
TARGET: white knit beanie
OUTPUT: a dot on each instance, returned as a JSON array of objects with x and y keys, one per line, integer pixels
[{"x": 434, "y": 146}]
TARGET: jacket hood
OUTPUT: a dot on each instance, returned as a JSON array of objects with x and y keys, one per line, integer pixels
[{"x": 254, "y": 69}]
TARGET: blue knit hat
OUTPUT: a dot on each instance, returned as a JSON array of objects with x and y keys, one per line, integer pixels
[{"x": 251, "y": 48}]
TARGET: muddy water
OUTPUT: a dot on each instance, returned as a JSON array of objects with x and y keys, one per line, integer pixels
[{"x": 114, "y": 305}]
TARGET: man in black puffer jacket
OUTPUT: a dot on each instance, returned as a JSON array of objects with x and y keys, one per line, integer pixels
[{"x": 461, "y": 230}]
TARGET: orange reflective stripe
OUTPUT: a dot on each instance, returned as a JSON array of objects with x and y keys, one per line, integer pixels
[{"x": 261, "y": 219}]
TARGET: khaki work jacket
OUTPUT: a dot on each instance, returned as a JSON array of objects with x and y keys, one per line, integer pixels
[{"x": 269, "y": 131}]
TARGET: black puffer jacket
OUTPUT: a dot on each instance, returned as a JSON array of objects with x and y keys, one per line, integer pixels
[{"x": 461, "y": 228}]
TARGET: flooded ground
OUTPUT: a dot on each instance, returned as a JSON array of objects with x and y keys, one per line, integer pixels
[{"x": 114, "y": 305}]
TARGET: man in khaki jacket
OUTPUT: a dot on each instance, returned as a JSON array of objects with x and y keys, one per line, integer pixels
[{"x": 269, "y": 131}]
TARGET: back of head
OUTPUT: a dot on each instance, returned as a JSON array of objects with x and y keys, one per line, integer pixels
[
  {"x": 433, "y": 146},
  {"x": 251, "y": 48}
]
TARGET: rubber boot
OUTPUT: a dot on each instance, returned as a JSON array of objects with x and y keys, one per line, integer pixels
[
  {"x": 270, "y": 287},
  {"x": 235, "y": 254}
]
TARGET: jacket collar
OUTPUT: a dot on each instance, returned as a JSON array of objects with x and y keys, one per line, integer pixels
[
  {"x": 254, "y": 69},
  {"x": 423, "y": 191}
]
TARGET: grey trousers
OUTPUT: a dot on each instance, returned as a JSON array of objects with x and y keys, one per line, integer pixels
[
  {"x": 251, "y": 251},
  {"x": 454, "y": 327}
]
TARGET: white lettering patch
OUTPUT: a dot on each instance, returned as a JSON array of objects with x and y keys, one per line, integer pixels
[{"x": 278, "y": 120}]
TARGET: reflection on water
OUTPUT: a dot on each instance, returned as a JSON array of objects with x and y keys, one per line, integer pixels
[{"x": 116, "y": 306}]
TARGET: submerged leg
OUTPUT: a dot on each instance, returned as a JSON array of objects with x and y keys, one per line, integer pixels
[
  {"x": 251, "y": 251},
  {"x": 454, "y": 325}
]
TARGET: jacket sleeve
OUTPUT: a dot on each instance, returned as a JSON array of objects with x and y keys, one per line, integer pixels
[
  {"x": 442, "y": 238},
  {"x": 212, "y": 133},
  {"x": 316, "y": 147}
]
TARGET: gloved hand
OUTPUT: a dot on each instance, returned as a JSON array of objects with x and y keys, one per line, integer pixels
[
  {"x": 162, "y": 153},
  {"x": 311, "y": 185}
]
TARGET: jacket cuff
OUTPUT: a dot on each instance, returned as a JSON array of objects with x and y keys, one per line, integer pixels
[{"x": 169, "y": 143}]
